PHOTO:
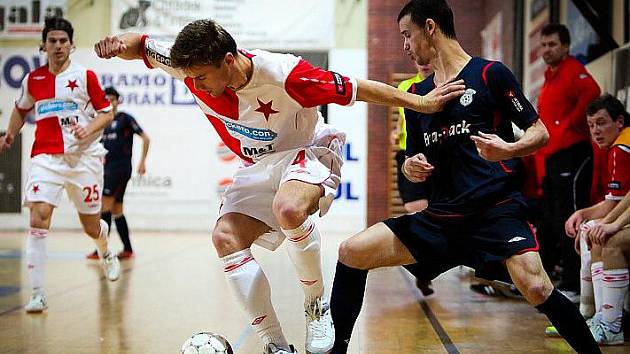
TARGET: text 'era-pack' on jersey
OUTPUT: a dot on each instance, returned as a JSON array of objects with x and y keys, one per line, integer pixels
[
  {"x": 275, "y": 111},
  {"x": 71, "y": 97}
]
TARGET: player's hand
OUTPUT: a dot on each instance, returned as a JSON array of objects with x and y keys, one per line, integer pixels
[
  {"x": 435, "y": 100},
  {"x": 572, "y": 225},
  {"x": 142, "y": 168},
  {"x": 109, "y": 47},
  {"x": 600, "y": 233},
  {"x": 6, "y": 141},
  {"x": 491, "y": 147},
  {"x": 417, "y": 168},
  {"x": 79, "y": 131}
]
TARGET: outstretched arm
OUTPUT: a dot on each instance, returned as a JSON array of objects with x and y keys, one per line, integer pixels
[
  {"x": 125, "y": 46},
  {"x": 379, "y": 93}
]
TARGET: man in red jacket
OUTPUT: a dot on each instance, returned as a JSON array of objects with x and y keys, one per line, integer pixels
[{"x": 565, "y": 165}]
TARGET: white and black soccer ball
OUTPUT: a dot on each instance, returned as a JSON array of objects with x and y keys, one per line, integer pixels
[{"x": 206, "y": 343}]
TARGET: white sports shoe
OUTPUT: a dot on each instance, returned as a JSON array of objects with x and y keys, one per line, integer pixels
[
  {"x": 605, "y": 336},
  {"x": 274, "y": 349},
  {"x": 593, "y": 321},
  {"x": 111, "y": 266},
  {"x": 37, "y": 303},
  {"x": 320, "y": 333}
]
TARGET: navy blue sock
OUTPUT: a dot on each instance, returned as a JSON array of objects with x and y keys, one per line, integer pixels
[
  {"x": 346, "y": 301},
  {"x": 566, "y": 317},
  {"x": 123, "y": 231}
]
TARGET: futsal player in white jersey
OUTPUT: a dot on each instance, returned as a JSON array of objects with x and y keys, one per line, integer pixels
[
  {"x": 263, "y": 106},
  {"x": 70, "y": 110}
]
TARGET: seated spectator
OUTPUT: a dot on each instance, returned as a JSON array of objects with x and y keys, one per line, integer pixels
[{"x": 602, "y": 271}]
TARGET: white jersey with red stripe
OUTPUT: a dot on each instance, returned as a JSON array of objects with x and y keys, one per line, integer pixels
[
  {"x": 277, "y": 109},
  {"x": 73, "y": 96}
]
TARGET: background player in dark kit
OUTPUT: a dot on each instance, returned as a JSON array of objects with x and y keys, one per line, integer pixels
[{"x": 118, "y": 140}]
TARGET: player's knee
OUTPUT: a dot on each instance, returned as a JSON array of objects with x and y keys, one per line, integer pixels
[
  {"x": 93, "y": 229},
  {"x": 289, "y": 213},
  {"x": 224, "y": 242},
  {"x": 612, "y": 250},
  {"x": 39, "y": 220},
  {"x": 536, "y": 291},
  {"x": 351, "y": 255}
]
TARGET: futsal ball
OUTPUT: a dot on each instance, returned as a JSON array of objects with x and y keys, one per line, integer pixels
[{"x": 206, "y": 343}]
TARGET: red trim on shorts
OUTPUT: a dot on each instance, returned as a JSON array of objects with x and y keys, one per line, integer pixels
[
  {"x": 535, "y": 248},
  {"x": 505, "y": 168}
]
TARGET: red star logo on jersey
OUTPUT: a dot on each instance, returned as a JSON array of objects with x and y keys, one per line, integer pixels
[
  {"x": 265, "y": 108},
  {"x": 35, "y": 188},
  {"x": 72, "y": 84}
]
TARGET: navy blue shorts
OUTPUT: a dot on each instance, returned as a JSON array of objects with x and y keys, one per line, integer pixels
[
  {"x": 116, "y": 178},
  {"x": 440, "y": 243}
]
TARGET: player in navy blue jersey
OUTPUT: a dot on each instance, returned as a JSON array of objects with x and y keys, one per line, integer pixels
[
  {"x": 118, "y": 140},
  {"x": 467, "y": 156}
]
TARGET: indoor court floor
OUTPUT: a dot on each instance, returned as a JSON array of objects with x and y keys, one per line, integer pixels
[{"x": 175, "y": 287}]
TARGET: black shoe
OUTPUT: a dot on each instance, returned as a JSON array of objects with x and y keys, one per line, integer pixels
[{"x": 424, "y": 286}]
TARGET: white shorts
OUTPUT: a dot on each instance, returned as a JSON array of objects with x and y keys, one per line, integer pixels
[
  {"x": 80, "y": 175},
  {"x": 255, "y": 186}
]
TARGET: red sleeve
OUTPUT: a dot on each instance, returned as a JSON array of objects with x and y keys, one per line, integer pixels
[
  {"x": 586, "y": 90},
  {"x": 600, "y": 174},
  {"x": 619, "y": 172},
  {"x": 143, "y": 52},
  {"x": 97, "y": 96},
  {"x": 312, "y": 86}
]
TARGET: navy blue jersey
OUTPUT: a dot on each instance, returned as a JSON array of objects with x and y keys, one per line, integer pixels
[
  {"x": 118, "y": 139},
  {"x": 462, "y": 181}
]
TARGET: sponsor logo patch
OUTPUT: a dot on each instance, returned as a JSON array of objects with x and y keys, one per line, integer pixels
[
  {"x": 614, "y": 185},
  {"x": 162, "y": 59},
  {"x": 455, "y": 129},
  {"x": 516, "y": 239},
  {"x": 340, "y": 85},
  {"x": 252, "y": 133},
  {"x": 467, "y": 97},
  {"x": 56, "y": 106}
]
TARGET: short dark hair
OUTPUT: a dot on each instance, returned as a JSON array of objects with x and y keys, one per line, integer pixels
[
  {"x": 201, "y": 42},
  {"x": 437, "y": 10},
  {"x": 612, "y": 105},
  {"x": 111, "y": 91},
  {"x": 57, "y": 24},
  {"x": 560, "y": 29}
]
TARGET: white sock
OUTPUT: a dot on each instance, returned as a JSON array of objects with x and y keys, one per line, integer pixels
[
  {"x": 304, "y": 250},
  {"x": 587, "y": 301},
  {"x": 36, "y": 252},
  {"x": 614, "y": 293},
  {"x": 102, "y": 244},
  {"x": 597, "y": 274},
  {"x": 251, "y": 287}
]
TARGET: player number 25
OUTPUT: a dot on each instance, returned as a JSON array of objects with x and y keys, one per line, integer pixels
[{"x": 91, "y": 193}]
